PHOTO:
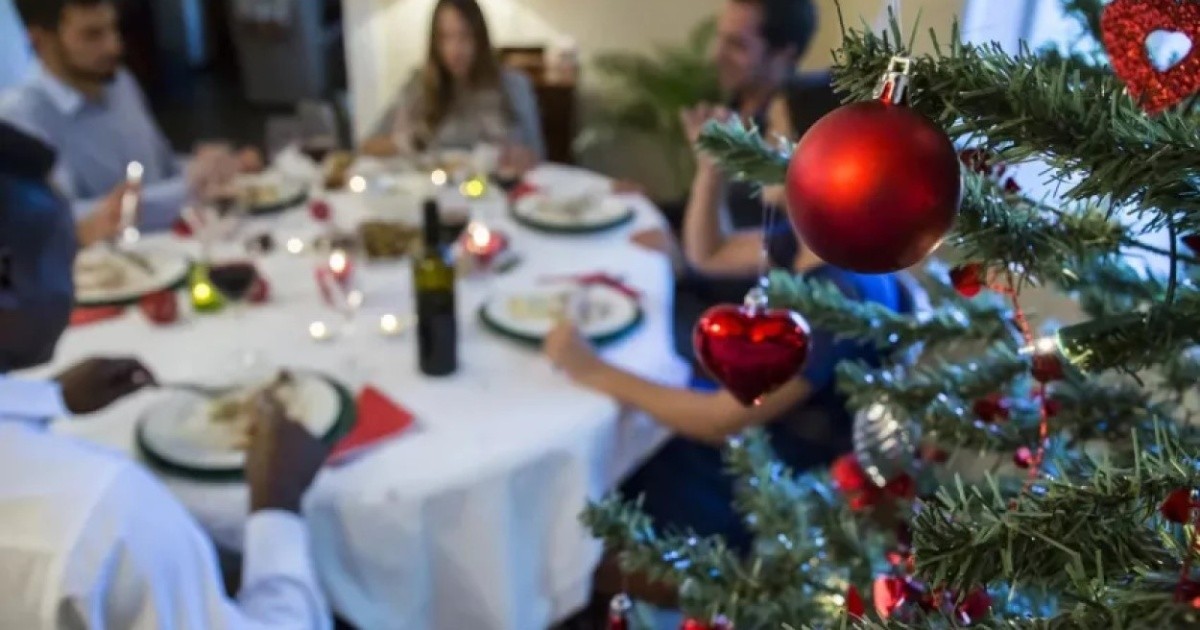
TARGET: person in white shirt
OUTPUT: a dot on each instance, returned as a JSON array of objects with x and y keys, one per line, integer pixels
[{"x": 89, "y": 539}]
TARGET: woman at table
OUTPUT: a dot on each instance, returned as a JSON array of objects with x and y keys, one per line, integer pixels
[
  {"x": 462, "y": 97},
  {"x": 684, "y": 485}
]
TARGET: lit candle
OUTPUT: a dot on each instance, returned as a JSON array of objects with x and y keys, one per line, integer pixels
[
  {"x": 319, "y": 331},
  {"x": 482, "y": 243},
  {"x": 340, "y": 265},
  {"x": 390, "y": 325},
  {"x": 295, "y": 245},
  {"x": 357, "y": 184},
  {"x": 205, "y": 297},
  {"x": 473, "y": 188},
  {"x": 438, "y": 177}
]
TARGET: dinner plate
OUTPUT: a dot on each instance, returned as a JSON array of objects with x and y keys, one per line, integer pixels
[
  {"x": 104, "y": 277},
  {"x": 529, "y": 315},
  {"x": 176, "y": 433},
  {"x": 286, "y": 192},
  {"x": 581, "y": 215}
]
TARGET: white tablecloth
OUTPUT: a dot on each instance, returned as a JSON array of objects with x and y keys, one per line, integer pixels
[{"x": 470, "y": 521}]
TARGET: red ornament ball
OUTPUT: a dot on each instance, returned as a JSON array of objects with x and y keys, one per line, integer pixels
[
  {"x": 848, "y": 475},
  {"x": 751, "y": 351},
  {"x": 1047, "y": 368},
  {"x": 991, "y": 408},
  {"x": 1023, "y": 458},
  {"x": 873, "y": 187},
  {"x": 968, "y": 279},
  {"x": 974, "y": 607},
  {"x": 1178, "y": 506},
  {"x": 162, "y": 307}
]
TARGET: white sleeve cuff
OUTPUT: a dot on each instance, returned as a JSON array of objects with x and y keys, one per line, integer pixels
[
  {"x": 31, "y": 399},
  {"x": 277, "y": 546}
]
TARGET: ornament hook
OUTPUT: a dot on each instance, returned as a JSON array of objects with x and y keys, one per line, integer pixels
[
  {"x": 756, "y": 299},
  {"x": 893, "y": 87}
]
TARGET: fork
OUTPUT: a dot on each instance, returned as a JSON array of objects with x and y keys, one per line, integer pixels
[{"x": 205, "y": 391}]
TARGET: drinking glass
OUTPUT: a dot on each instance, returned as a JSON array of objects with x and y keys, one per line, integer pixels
[{"x": 318, "y": 137}]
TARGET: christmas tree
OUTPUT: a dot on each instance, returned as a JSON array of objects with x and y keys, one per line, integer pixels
[{"x": 1092, "y": 521}]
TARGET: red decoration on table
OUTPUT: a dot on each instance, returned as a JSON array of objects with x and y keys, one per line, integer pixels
[
  {"x": 92, "y": 314},
  {"x": 320, "y": 210},
  {"x": 968, "y": 279},
  {"x": 874, "y": 186},
  {"x": 1124, "y": 27},
  {"x": 854, "y": 603},
  {"x": 991, "y": 408},
  {"x": 181, "y": 228},
  {"x": 600, "y": 278},
  {"x": 482, "y": 243},
  {"x": 161, "y": 308},
  {"x": 522, "y": 189},
  {"x": 974, "y": 607},
  {"x": 379, "y": 418},
  {"x": 260, "y": 291},
  {"x": 750, "y": 349},
  {"x": 889, "y": 594},
  {"x": 1178, "y": 506},
  {"x": 1023, "y": 457},
  {"x": 1047, "y": 368}
]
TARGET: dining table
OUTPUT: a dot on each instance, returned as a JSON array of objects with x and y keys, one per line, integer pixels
[{"x": 470, "y": 518}]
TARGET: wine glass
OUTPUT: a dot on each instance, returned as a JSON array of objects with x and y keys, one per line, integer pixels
[{"x": 318, "y": 136}]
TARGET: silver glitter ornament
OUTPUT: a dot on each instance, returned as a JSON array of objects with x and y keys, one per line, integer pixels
[{"x": 885, "y": 442}]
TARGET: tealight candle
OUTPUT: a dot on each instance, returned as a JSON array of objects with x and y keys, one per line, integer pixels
[
  {"x": 295, "y": 245},
  {"x": 482, "y": 243},
  {"x": 357, "y": 184},
  {"x": 439, "y": 177},
  {"x": 204, "y": 296},
  {"x": 319, "y": 331},
  {"x": 473, "y": 188},
  {"x": 390, "y": 325},
  {"x": 340, "y": 265}
]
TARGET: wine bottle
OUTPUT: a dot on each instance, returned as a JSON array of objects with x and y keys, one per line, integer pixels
[{"x": 433, "y": 281}]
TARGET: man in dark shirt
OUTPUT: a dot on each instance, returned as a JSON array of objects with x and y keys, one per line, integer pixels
[{"x": 759, "y": 43}]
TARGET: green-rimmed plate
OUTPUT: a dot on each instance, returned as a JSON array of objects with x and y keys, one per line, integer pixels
[
  {"x": 583, "y": 215},
  {"x": 104, "y": 277},
  {"x": 529, "y": 315},
  {"x": 176, "y": 436}
]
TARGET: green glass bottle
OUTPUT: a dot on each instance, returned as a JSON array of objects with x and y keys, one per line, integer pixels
[{"x": 433, "y": 282}]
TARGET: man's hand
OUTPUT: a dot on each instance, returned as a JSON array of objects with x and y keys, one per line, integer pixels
[
  {"x": 250, "y": 160},
  {"x": 694, "y": 118},
  {"x": 571, "y": 353},
  {"x": 283, "y": 458},
  {"x": 95, "y": 384},
  {"x": 213, "y": 167},
  {"x": 104, "y": 222},
  {"x": 380, "y": 147}
]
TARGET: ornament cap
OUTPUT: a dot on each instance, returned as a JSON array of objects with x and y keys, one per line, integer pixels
[
  {"x": 620, "y": 605},
  {"x": 756, "y": 299},
  {"x": 893, "y": 87}
]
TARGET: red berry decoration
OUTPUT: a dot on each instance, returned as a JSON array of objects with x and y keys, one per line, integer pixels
[
  {"x": 1023, "y": 458},
  {"x": 968, "y": 279},
  {"x": 848, "y": 475},
  {"x": 874, "y": 186},
  {"x": 1124, "y": 27},
  {"x": 751, "y": 350},
  {"x": 320, "y": 210},
  {"x": 161, "y": 308},
  {"x": 854, "y": 603},
  {"x": 1178, "y": 506},
  {"x": 889, "y": 594},
  {"x": 991, "y": 408},
  {"x": 974, "y": 607},
  {"x": 1047, "y": 368},
  {"x": 260, "y": 291}
]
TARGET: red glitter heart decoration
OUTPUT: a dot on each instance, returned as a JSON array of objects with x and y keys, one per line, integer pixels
[
  {"x": 889, "y": 593},
  {"x": 750, "y": 350},
  {"x": 1124, "y": 27}
]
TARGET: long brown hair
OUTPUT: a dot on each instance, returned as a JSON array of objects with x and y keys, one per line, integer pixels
[{"x": 439, "y": 87}]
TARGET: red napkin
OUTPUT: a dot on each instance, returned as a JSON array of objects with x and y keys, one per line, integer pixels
[
  {"x": 523, "y": 189},
  {"x": 378, "y": 419},
  {"x": 92, "y": 314}
]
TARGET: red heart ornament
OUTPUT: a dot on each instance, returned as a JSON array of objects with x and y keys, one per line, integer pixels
[
  {"x": 889, "y": 594},
  {"x": 751, "y": 351},
  {"x": 1124, "y": 27}
]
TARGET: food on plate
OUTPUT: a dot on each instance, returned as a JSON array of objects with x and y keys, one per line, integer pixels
[
  {"x": 232, "y": 414},
  {"x": 553, "y": 306},
  {"x": 337, "y": 169},
  {"x": 386, "y": 239},
  {"x": 259, "y": 193},
  {"x": 104, "y": 270}
]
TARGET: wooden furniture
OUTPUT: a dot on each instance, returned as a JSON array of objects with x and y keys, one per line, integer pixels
[{"x": 556, "y": 97}]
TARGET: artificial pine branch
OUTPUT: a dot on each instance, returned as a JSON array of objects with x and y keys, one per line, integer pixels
[
  {"x": 825, "y": 306},
  {"x": 743, "y": 153},
  {"x": 1136, "y": 340}
]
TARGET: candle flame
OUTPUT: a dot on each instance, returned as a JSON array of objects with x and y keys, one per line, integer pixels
[
  {"x": 480, "y": 235},
  {"x": 438, "y": 177},
  {"x": 338, "y": 262}
]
